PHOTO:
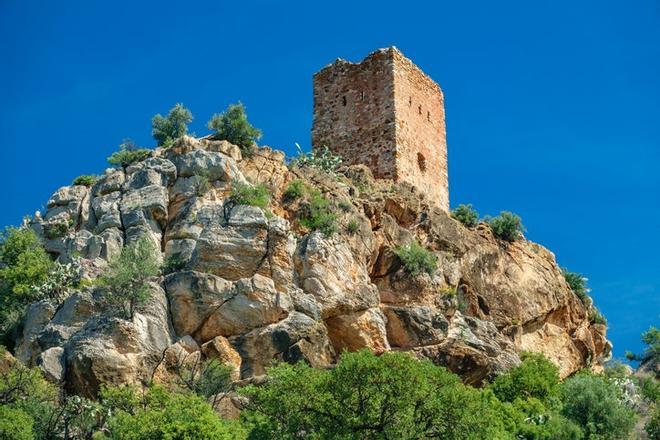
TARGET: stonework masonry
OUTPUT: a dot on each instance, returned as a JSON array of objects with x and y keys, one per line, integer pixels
[{"x": 386, "y": 113}]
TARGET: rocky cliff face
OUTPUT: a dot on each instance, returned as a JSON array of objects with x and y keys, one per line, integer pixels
[{"x": 251, "y": 287}]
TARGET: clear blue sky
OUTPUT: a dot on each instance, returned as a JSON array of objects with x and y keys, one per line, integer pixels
[{"x": 553, "y": 107}]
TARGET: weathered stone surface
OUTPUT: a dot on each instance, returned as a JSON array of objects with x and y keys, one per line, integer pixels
[
  {"x": 51, "y": 363},
  {"x": 409, "y": 327},
  {"x": 298, "y": 337},
  {"x": 265, "y": 166},
  {"x": 37, "y": 317},
  {"x": 215, "y": 166},
  {"x": 106, "y": 211},
  {"x": 342, "y": 291},
  {"x": 364, "y": 329},
  {"x": 220, "y": 348},
  {"x": 111, "y": 181}
]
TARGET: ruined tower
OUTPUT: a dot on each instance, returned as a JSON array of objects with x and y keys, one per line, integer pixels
[{"x": 386, "y": 113}]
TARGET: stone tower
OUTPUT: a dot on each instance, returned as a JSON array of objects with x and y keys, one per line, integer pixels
[{"x": 386, "y": 113}]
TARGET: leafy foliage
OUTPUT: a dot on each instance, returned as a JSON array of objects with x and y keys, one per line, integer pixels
[
  {"x": 166, "y": 130},
  {"x": 320, "y": 158},
  {"x": 128, "y": 154},
  {"x": 243, "y": 194},
  {"x": 506, "y": 226},
  {"x": 233, "y": 126},
  {"x": 23, "y": 264},
  {"x": 294, "y": 190},
  {"x": 651, "y": 338},
  {"x": 391, "y": 396},
  {"x": 84, "y": 180},
  {"x": 208, "y": 378},
  {"x": 578, "y": 284},
  {"x": 652, "y": 426},
  {"x": 466, "y": 215},
  {"x": 536, "y": 377},
  {"x": 417, "y": 259},
  {"x": 60, "y": 281},
  {"x": 127, "y": 278},
  {"x": 164, "y": 415},
  {"x": 353, "y": 226},
  {"x": 595, "y": 404},
  {"x": 318, "y": 215},
  {"x": 15, "y": 424}
]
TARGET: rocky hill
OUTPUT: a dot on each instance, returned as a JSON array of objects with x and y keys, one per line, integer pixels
[{"x": 248, "y": 285}]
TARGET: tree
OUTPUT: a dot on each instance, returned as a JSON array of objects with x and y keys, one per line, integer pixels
[
  {"x": 466, "y": 215},
  {"x": 368, "y": 396},
  {"x": 651, "y": 338},
  {"x": 595, "y": 404},
  {"x": 232, "y": 125},
  {"x": 127, "y": 278},
  {"x": 506, "y": 226},
  {"x": 165, "y": 415},
  {"x": 23, "y": 264},
  {"x": 536, "y": 377},
  {"x": 166, "y": 130}
]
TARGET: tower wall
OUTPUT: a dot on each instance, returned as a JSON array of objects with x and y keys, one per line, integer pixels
[{"x": 384, "y": 112}]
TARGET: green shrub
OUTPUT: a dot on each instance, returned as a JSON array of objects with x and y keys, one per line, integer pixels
[
  {"x": 60, "y": 281},
  {"x": 416, "y": 259},
  {"x": 650, "y": 338},
  {"x": 172, "y": 264},
  {"x": 353, "y": 226},
  {"x": 391, "y": 396},
  {"x": 233, "y": 126},
  {"x": 165, "y": 415},
  {"x": 166, "y": 130},
  {"x": 596, "y": 317},
  {"x": 450, "y": 291},
  {"x": 15, "y": 424},
  {"x": 243, "y": 194},
  {"x": 84, "y": 180},
  {"x": 294, "y": 190},
  {"x": 578, "y": 284},
  {"x": 536, "y": 377},
  {"x": 506, "y": 226},
  {"x": 129, "y": 153},
  {"x": 319, "y": 216},
  {"x": 202, "y": 184},
  {"x": 595, "y": 404},
  {"x": 56, "y": 230},
  {"x": 466, "y": 215},
  {"x": 207, "y": 378},
  {"x": 652, "y": 426},
  {"x": 320, "y": 158},
  {"x": 127, "y": 278}
]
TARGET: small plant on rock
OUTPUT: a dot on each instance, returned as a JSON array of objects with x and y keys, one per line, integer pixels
[
  {"x": 127, "y": 277},
  {"x": 320, "y": 158},
  {"x": 168, "y": 129},
  {"x": 61, "y": 281},
  {"x": 353, "y": 226},
  {"x": 466, "y": 215},
  {"x": 319, "y": 217},
  {"x": 84, "y": 180},
  {"x": 129, "y": 153},
  {"x": 507, "y": 226},
  {"x": 449, "y": 291},
  {"x": 416, "y": 259},
  {"x": 173, "y": 263},
  {"x": 232, "y": 125},
  {"x": 294, "y": 190},
  {"x": 578, "y": 284},
  {"x": 243, "y": 194}
]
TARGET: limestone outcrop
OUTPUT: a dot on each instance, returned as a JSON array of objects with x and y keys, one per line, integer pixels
[{"x": 251, "y": 285}]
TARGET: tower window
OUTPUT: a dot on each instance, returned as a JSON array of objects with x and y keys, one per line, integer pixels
[
  {"x": 362, "y": 95},
  {"x": 343, "y": 101},
  {"x": 421, "y": 162},
  {"x": 410, "y": 101},
  {"x": 428, "y": 116},
  {"x": 419, "y": 109}
]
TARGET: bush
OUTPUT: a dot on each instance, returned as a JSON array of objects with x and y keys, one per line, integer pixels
[
  {"x": 320, "y": 158},
  {"x": 595, "y": 317},
  {"x": 164, "y": 415},
  {"x": 233, "y": 126},
  {"x": 243, "y": 194},
  {"x": 15, "y": 424},
  {"x": 128, "y": 154},
  {"x": 353, "y": 226},
  {"x": 466, "y": 215},
  {"x": 319, "y": 216},
  {"x": 23, "y": 264},
  {"x": 416, "y": 259},
  {"x": 578, "y": 284},
  {"x": 371, "y": 397},
  {"x": 595, "y": 404},
  {"x": 172, "y": 264},
  {"x": 536, "y": 377},
  {"x": 652, "y": 426},
  {"x": 168, "y": 129},
  {"x": 127, "y": 278},
  {"x": 60, "y": 282},
  {"x": 84, "y": 180},
  {"x": 207, "y": 378},
  {"x": 506, "y": 226},
  {"x": 294, "y": 190}
]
